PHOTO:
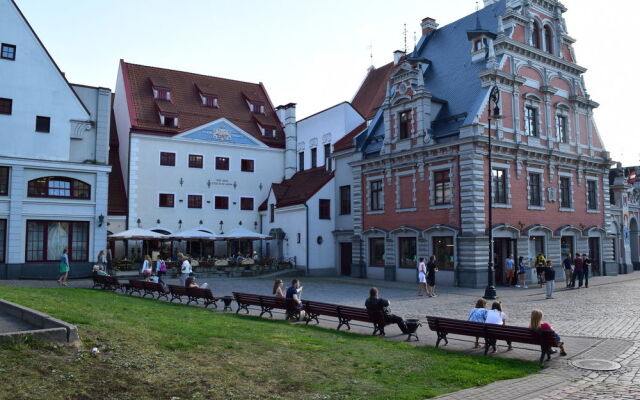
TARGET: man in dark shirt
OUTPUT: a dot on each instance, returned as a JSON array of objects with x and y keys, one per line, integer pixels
[
  {"x": 568, "y": 271},
  {"x": 578, "y": 263},
  {"x": 377, "y": 304}
]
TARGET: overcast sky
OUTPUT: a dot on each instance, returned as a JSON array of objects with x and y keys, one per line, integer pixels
[{"x": 315, "y": 53}]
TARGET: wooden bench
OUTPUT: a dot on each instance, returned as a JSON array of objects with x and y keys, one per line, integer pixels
[
  {"x": 177, "y": 292},
  {"x": 266, "y": 304},
  {"x": 145, "y": 288},
  {"x": 107, "y": 282},
  {"x": 344, "y": 314},
  {"x": 492, "y": 333},
  {"x": 195, "y": 294}
]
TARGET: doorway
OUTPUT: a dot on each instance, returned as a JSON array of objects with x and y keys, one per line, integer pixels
[
  {"x": 594, "y": 255},
  {"x": 345, "y": 258},
  {"x": 503, "y": 247}
]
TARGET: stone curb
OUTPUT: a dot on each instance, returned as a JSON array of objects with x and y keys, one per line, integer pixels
[{"x": 48, "y": 328}]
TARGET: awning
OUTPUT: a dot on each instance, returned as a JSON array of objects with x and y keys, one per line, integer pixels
[
  {"x": 201, "y": 233},
  {"x": 243, "y": 233},
  {"x": 138, "y": 234}
]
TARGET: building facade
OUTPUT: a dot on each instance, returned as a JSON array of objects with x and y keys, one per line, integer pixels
[
  {"x": 422, "y": 165},
  {"x": 53, "y": 159},
  {"x": 194, "y": 150}
]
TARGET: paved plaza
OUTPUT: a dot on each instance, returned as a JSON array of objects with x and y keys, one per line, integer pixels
[{"x": 600, "y": 322}]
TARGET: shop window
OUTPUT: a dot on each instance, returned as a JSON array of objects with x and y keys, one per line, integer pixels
[
  {"x": 46, "y": 240},
  {"x": 376, "y": 251},
  {"x": 443, "y": 249},
  {"x": 407, "y": 251}
]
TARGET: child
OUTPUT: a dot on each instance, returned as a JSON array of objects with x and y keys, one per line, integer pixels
[
  {"x": 478, "y": 314},
  {"x": 549, "y": 277},
  {"x": 536, "y": 325}
]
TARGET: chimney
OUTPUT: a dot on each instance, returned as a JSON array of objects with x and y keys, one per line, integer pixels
[
  {"x": 397, "y": 55},
  {"x": 428, "y": 25},
  {"x": 288, "y": 112}
]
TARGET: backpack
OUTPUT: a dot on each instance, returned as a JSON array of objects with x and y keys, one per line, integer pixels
[{"x": 163, "y": 266}]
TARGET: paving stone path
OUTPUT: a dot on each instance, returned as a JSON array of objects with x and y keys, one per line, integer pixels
[{"x": 601, "y": 322}]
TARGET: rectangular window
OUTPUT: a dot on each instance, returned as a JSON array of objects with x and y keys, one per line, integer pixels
[
  {"x": 246, "y": 165},
  {"x": 499, "y": 186},
  {"x": 258, "y": 107},
  {"x": 8, "y": 51},
  {"x": 407, "y": 252},
  {"x": 272, "y": 212},
  {"x": 168, "y": 159},
  {"x": 561, "y": 128},
  {"x": 4, "y": 181},
  {"x": 375, "y": 195},
  {"x": 6, "y": 106},
  {"x": 166, "y": 200},
  {"x": 406, "y": 192},
  {"x": 246, "y": 203},
  {"x": 376, "y": 251},
  {"x": 314, "y": 158},
  {"x": 162, "y": 93},
  {"x": 46, "y": 240},
  {"x": 405, "y": 124},
  {"x": 345, "y": 200},
  {"x": 222, "y": 163},
  {"x": 170, "y": 122},
  {"x": 565, "y": 192},
  {"x": 535, "y": 190},
  {"x": 531, "y": 121},
  {"x": 443, "y": 250},
  {"x": 209, "y": 101},
  {"x": 324, "y": 206},
  {"x": 327, "y": 156},
  {"x": 441, "y": 187},
  {"x": 195, "y": 161},
  {"x": 592, "y": 195},
  {"x": 222, "y": 203},
  {"x": 194, "y": 201},
  {"x": 301, "y": 161},
  {"x": 43, "y": 124}
]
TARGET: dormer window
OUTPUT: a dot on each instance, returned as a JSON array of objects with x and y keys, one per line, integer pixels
[
  {"x": 209, "y": 101},
  {"x": 169, "y": 121},
  {"x": 477, "y": 45},
  {"x": 161, "y": 94},
  {"x": 256, "y": 106},
  {"x": 267, "y": 131}
]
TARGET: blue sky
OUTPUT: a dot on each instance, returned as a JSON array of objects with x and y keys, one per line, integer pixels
[{"x": 314, "y": 53}]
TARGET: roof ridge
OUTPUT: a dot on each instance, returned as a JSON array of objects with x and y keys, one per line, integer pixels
[{"x": 191, "y": 73}]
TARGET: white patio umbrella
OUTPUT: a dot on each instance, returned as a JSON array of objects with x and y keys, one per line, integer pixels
[
  {"x": 201, "y": 233},
  {"x": 243, "y": 233},
  {"x": 138, "y": 234}
]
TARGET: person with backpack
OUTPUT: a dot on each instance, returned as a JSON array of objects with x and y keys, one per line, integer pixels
[
  {"x": 161, "y": 269},
  {"x": 540, "y": 264}
]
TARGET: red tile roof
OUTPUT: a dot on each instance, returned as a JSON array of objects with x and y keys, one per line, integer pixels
[
  {"x": 186, "y": 103},
  {"x": 301, "y": 186},
  {"x": 347, "y": 140},
  {"x": 117, "y": 200},
  {"x": 372, "y": 91}
]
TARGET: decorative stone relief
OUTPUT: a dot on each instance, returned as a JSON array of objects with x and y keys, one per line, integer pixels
[
  {"x": 326, "y": 138},
  {"x": 313, "y": 143},
  {"x": 518, "y": 169},
  {"x": 580, "y": 175},
  {"x": 421, "y": 170},
  {"x": 300, "y": 146},
  {"x": 552, "y": 171}
]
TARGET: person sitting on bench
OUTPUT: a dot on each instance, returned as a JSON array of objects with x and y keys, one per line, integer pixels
[
  {"x": 377, "y": 304},
  {"x": 98, "y": 271},
  {"x": 537, "y": 324},
  {"x": 191, "y": 282},
  {"x": 293, "y": 293}
]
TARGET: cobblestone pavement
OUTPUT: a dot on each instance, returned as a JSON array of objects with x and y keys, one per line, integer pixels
[{"x": 599, "y": 322}]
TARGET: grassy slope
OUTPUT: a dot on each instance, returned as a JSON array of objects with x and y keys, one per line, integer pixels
[{"x": 155, "y": 350}]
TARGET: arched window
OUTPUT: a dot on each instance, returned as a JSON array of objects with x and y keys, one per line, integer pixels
[
  {"x": 60, "y": 187},
  {"x": 548, "y": 38},
  {"x": 535, "y": 36}
]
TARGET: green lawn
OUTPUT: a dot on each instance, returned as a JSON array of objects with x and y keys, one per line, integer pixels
[{"x": 155, "y": 350}]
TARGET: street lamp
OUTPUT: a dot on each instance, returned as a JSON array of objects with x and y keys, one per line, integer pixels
[{"x": 492, "y": 113}]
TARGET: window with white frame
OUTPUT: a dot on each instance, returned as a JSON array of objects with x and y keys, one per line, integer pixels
[
  {"x": 565, "y": 192},
  {"x": 535, "y": 189},
  {"x": 561, "y": 128},
  {"x": 441, "y": 187},
  {"x": 376, "y": 202},
  {"x": 499, "y": 185},
  {"x": 531, "y": 121},
  {"x": 592, "y": 195}
]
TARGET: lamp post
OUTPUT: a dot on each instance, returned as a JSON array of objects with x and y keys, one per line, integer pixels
[{"x": 492, "y": 113}]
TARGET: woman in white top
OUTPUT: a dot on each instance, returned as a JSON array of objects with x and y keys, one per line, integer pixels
[
  {"x": 146, "y": 268},
  {"x": 422, "y": 277},
  {"x": 498, "y": 317}
]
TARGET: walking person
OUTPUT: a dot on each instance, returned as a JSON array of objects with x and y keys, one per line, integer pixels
[
  {"x": 578, "y": 268},
  {"x": 540, "y": 264},
  {"x": 586, "y": 261},
  {"x": 567, "y": 263},
  {"x": 550, "y": 278},
  {"x": 185, "y": 270},
  {"x": 422, "y": 277},
  {"x": 161, "y": 269},
  {"x": 64, "y": 268},
  {"x": 509, "y": 269},
  {"x": 522, "y": 273},
  {"x": 432, "y": 268}
]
